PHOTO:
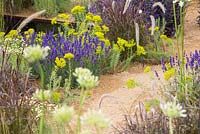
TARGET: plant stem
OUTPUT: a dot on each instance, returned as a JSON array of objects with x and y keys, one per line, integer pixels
[
  {"x": 70, "y": 74},
  {"x": 82, "y": 99},
  {"x": 170, "y": 126},
  {"x": 97, "y": 130},
  {"x": 182, "y": 46},
  {"x": 176, "y": 28},
  {"x": 175, "y": 21},
  {"x": 43, "y": 106},
  {"x": 2, "y": 15}
]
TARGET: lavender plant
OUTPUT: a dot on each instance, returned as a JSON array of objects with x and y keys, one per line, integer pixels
[
  {"x": 87, "y": 52},
  {"x": 191, "y": 78}
]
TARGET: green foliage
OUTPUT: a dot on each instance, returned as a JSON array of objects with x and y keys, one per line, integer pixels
[
  {"x": 153, "y": 57},
  {"x": 127, "y": 62},
  {"x": 1, "y": 15},
  {"x": 114, "y": 59},
  {"x": 13, "y": 6},
  {"x": 49, "y": 5},
  {"x": 160, "y": 46},
  {"x": 64, "y": 5},
  {"x": 55, "y": 81},
  {"x": 84, "y": 2},
  {"x": 13, "y": 48}
]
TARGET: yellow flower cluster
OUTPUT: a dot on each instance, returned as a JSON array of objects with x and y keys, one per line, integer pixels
[
  {"x": 107, "y": 42},
  {"x": 12, "y": 33},
  {"x": 39, "y": 37},
  {"x": 60, "y": 62},
  {"x": 2, "y": 34},
  {"x": 78, "y": 9},
  {"x": 64, "y": 16},
  {"x": 54, "y": 21},
  {"x": 116, "y": 47},
  {"x": 130, "y": 83},
  {"x": 100, "y": 35},
  {"x": 95, "y": 18},
  {"x": 168, "y": 66},
  {"x": 189, "y": 78},
  {"x": 169, "y": 73},
  {"x": 122, "y": 43},
  {"x": 97, "y": 28},
  {"x": 71, "y": 31},
  {"x": 98, "y": 49},
  {"x": 66, "y": 24},
  {"x": 69, "y": 56},
  {"x": 29, "y": 32},
  {"x": 155, "y": 29},
  {"x": 140, "y": 50},
  {"x": 147, "y": 69},
  {"x": 89, "y": 16},
  {"x": 165, "y": 38},
  {"x": 105, "y": 28}
]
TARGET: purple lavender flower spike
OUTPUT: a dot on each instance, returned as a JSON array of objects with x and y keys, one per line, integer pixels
[
  {"x": 186, "y": 66},
  {"x": 157, "y": 75},
  {"x": 171, "y": 61},
  {"x": 163, "y": 64}
]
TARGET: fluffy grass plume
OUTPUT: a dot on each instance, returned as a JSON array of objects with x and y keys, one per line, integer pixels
[
  {"x": 113, "y": 5},
  {"x": 137, "y": 33},
  {"x": 159, "y": 4},
  {"x": 126, "y": 6},
  {"x": 153, "y": 24},
  {"x": 29, "y": 19}
]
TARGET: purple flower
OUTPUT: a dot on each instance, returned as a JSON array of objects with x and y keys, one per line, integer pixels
[
  {"x": 156, "y": 73},
  {"x": 163, "y": 64}
]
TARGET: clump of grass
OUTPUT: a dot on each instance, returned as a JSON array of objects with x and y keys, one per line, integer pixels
[
  {"x": 149, "y": 119},
  {"x": 1, "y": 15},
  {"x": 49, "y": 5},
  {"x": 13, "y": 6},
  {"x": 15, "y": 101}
]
